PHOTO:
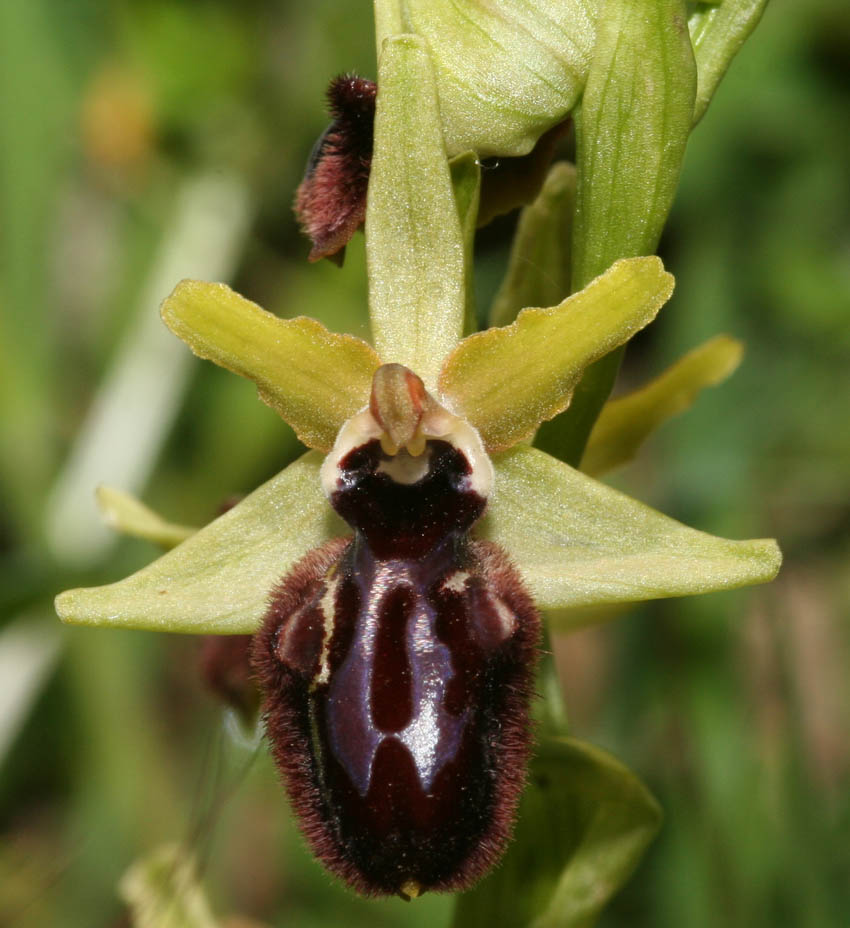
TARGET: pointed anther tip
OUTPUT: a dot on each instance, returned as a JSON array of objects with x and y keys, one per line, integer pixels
[{"x": 398, "y": 402}]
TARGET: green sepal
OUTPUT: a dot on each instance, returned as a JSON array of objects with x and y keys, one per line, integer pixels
[
  {"x": 130, "y": 516},
  {"x": 584, "y": 822},
  {"x": 506, "y": 381},
  {"x": 312, "y": 377},
  {"x": 417, "y": 290},
  {"x": 217, "y": 582},
  {"x": 626, "y": 422},
  {"x": 506, "y": 71},
  {"x": 718, "y": 31},
  {"x": 466, "y": 182},
  {"x": 538, "y": 271},
  {"x": 578, "y": 542}
]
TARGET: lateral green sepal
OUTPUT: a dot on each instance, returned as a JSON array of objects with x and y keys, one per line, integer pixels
[
  {"x": 578, "y": 542},
  {"x": 217, "y": 582}
]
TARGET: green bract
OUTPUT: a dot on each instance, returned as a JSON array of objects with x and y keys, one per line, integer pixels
[{"x": 583, "y": 824}]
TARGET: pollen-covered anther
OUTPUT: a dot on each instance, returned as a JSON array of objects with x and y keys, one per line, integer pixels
[{"x": 398, "y": 402}]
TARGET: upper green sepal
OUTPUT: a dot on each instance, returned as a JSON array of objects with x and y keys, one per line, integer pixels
[
  {"x": 415, "y": 247},
  {"x": 218, "y": 581},
  {"x": 312, "y": 377},
  {"x": 578, "y": 542}
]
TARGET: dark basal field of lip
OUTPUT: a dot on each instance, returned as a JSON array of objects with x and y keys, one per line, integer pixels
[{"x": 397, "y": 681}]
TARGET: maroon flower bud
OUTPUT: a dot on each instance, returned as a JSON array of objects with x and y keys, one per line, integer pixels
[{"x": 331, "y": 201}]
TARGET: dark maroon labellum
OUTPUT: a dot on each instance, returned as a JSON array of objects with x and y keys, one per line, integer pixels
[
  {"x": 331, "y": 201},
  {"x": 397, "y": 669}
]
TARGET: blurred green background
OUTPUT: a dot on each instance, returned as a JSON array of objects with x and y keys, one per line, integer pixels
[{"x": 142, "y": 142}]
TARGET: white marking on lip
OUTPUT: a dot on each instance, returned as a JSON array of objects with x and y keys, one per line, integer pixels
[
  {"x": 405, "y": 468},
  {"x": 327, "y": 605},
  {"x": 507, "y": 619},
  {"x": 358, "y": 430},
  {"x": 456, "y": 583}
]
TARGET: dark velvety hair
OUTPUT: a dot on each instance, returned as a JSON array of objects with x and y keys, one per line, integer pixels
[{"x": 331, "y": 201}]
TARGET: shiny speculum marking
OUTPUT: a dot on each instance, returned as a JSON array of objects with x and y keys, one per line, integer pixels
[{"x": 397, "y": 667}]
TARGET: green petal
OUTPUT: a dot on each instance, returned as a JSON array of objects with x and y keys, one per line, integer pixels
[
  {"x": 466, "y": 183},
  {"x": 584, "y": 822},
  {"x": 218, "y": 581},
  {"x": 578, "y": 542},
  {"x": 506, "y": 381},
  {"x": 506, "y": 71},
  {"x": 717, "y": 32},
  {"x": 414, "y": 242},
  {"x": 313, "y": 378},
  {"x": 127, "y": 515},
  {"x": 625, "y": 423},
  {"x": 538, "y": 271}
]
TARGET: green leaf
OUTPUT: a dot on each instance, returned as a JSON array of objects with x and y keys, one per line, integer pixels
[
  {"x": 584, "y": 823},
  {"x": 217, "y": 581},
  {"x": 506, "y": 381},
  {"x": 313, "y": 378},
  {"x": 538, "y": 271},
  {"x": 505, "y": 71},
  {"x": 414, "y": 241},
  {"x": 466, "y": 183},
  {"x": 578, "y": 542},
  {"x": 162, "y": 890},
  {"x": 631, "y": 131},
  {"x": 625, "y": 423},
  {"x": 127, "y": 515},
  {"x": 717, "y": 32}
]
